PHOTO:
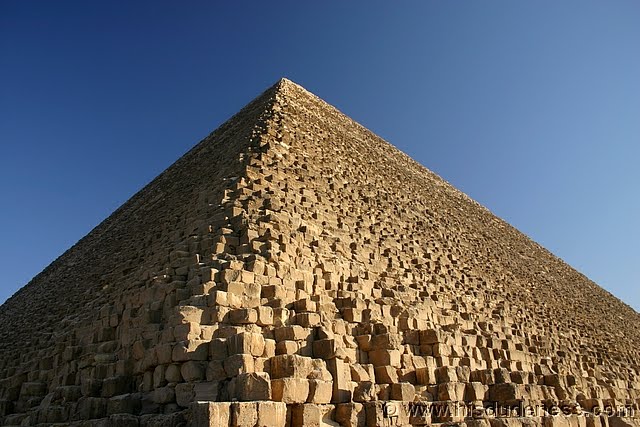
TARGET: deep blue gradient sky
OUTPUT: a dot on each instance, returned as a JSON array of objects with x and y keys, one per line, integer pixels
[{"x": 531, "y": 108}]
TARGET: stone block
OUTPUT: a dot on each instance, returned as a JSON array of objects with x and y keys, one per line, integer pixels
[
  {"x": 386, "y": 375},
  {"x": 320, "y": 391},
  {"x": 244, "y": 414},
  {"x": 238, "y": 364},
  {"x": 184, "y": 394},
  {"x": 350, "y": 414},
  {"x": 265, "y": 316},
  {"x": 364, "y": 391},
  {"x": 312, "y": 415},
  {"x": 290, "y": 390},
  {"x": 293, "y": 333},
  {"x": 291, "y": 365},
  {"x": 383, "y": 357},
  {"x": 253, "y": 386},
  {"x": 218, "y": 349},
  {"x": 193, "y": 371},
  {"x": 476, "y": 391},
  {"x": 187, "y": 331},
  {"x": 386, "y": 341},
  {"x": 172, "y": 374},
  {"x": 432, "y": 336},
  {"x": 190, "y": 350},
  {"x": 246, "y": 343},
  {"x": 453, "y": 391},
  {"x": 506, "y": 392},
  {"x": 271, "y": 414},
  {"x": 324, "y": 349},
  {"x": 404, "y": 392},
  {"x": 243, "y": 316},
  {"x": 287, "y": 347},
  {"x": 211, "y": 414},
  {"x": 446, "y": 374},
  {"x": 206, "y": 391},
  {"x": 163, "y": 395},
  {"x": 341, "y": 374}
]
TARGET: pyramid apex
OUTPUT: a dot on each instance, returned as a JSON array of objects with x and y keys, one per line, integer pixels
[{"x": 284, "y": 82}]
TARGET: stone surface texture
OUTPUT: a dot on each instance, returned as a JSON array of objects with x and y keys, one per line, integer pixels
[{"x": 295, "y": 269}]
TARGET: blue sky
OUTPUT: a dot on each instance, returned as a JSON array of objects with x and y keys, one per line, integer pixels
[{"x": 531, "y": 108}]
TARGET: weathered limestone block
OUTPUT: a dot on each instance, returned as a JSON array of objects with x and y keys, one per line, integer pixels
[
  {"x": 506, "y": 392},
  {"x": 476, "y": 391},
  {"x": 184, "y": 394},
  {"x": 341, "y": 373},
  {"x": 114, "y": 386},
  {"x": 290, "y": 366},
  {"x": 238, "y": 364},
  {"x": 307, "y": 320},
  {"x": 312, "y": 415},
  {"x": 193, "y": 371},
  {"x": 350, "y": 414},
  {"x": 190, "y": 350},
  {"x": 446, "y": 374},
  {"x": 243, "y": 316},
  {"x": 451, "y": 391},
  {"x": 320, "y": 391},
  {"x": 253, "y": 386},
  {"x": 271, "y": 414},
  {"x": 364, "y": 391},
  {"x": 218, "y": 349},
  {"x": 386, "y": 375},
  {"x": 324, "y": 348},
  {"x": 206, "y": 390},
  {"x": 211, "y": 414},
  {"x": 163, "y": 395},
  {"x": 360, "y": 373},
  {"x": 293, "y": 333},
  {"x": 265, "y": 316},
  {"x": 287, "y": 347},
  {"x": 403, "y": 392},
  {"x": 246, "y": 343},
  {"x": 432, "y": 336},
  {"x": 384, "y": 357},
  {"x": 290, "y": 390},
  {"x": 389, "y": 341},
  {"x": 244, "y": 414},
  {"x": 187, "y": 331},
  {"x": 123, "y": 420},
  {"x": 189, "y": 314},
  {"x": 172, "y": 374}
]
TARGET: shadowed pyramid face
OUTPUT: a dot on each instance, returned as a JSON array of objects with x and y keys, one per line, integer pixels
[{"x": 299, "y": 266}]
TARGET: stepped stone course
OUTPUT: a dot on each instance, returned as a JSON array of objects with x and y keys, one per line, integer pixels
[{"x": 295, "y": 269}]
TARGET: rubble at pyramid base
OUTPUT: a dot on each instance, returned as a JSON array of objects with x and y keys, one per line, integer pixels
[{"x": 293, "y": 269}]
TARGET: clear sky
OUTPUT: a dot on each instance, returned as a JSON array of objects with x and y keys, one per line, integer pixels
[{"x": 530, "y": 107}]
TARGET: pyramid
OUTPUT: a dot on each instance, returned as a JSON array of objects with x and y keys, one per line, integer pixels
[{"x": 295, "y": 269}]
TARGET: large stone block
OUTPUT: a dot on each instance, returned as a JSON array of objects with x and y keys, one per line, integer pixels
[
  {"x": 312, "y": 415},
  {"x": 290, "y": 365},
  {"x": 271, "y": 414},
  {"x": 341, "y": 374},
  {"x": 238, "y": 364},
  {"x": 190, "y": 350},
  {"x": 290, "y": 390},
  {"x": 320, "y": 391},
  {"x": 383, "y": 357},
  {"x": 211, "y": 414},
  {"x": 350, "y": 414},
  {"x": 253, "y": 386},
  {"x": 246, "y": 343},
  {"x": 244, "y": 414}
]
